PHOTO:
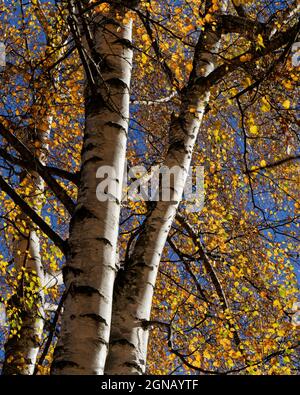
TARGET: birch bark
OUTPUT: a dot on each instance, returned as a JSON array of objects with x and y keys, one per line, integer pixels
[
  {"x": 90, "y": 269},
  {"x": 135, "y": 285},
  {"x": 21, "y": 348}
]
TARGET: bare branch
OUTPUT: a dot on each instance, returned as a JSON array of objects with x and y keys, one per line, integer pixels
[
  {"x": 73, "y": 177},
  {"x": 274, "y": 164},
  {"x": 42, "y": 170},
  {"x": 57, "y": 240}
]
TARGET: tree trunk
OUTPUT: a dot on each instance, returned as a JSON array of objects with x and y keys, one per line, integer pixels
[
  {"x": 22, "y": 346},
  {"x": 21, "y": 349},
  {"x": 135, "y": 285},
  {"x": 90, "y": 269}
]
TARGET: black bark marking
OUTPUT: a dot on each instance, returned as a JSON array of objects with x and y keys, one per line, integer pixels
[
  {"x": 80, "y": 215},
  {"x": 117, "y": 82},
  {"x": 123, "y": 342},
  {"x": 108, "y": 21},
  {"x": 84, "y": 290},
  {"x": 135, "y": 366},
  {"x": 62, "y": 364},
  {"x": 116, "y": 126},
  {"x": 95, "y": 317},
  {"x": 100, "y": 340},
  {"x": 71, "y": 269},
  {"x": 94, "y": 103},
  {"x": 104, "y": 240},
  {"x": 177, "y": 145},
  {"x": 90, "y": 147},
  {"x": 123, "y": 41},
  {"x": 93, "y": 159}
]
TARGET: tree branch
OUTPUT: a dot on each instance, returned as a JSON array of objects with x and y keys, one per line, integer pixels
[
  {"x": 52, "y": 330},
  {"x": 274, "y": 164},
  {"x": 73, "y": 177},
  {"x": 281, "y": 39},
  {"x": 240, "y": 10},
  {"x": 53, "y": 278},
  {"x": 27, "y": 210},
  {"x": 210, "y": 270},
  {"x": 237, "y": 24},
  {"x": 42, "y": 170}
]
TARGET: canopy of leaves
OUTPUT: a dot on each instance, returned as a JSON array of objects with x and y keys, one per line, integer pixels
[{"x": 228, "y": 276}]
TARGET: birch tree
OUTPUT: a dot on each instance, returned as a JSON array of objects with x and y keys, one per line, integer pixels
[
  {"x": 105, "y": 45},
  {"x": 22, "y": 347},
  {"x": 150, "y": 286},
  {"x": 134, "y": 287}
]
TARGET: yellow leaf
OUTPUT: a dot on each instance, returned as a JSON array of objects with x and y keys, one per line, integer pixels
[
  {"x": 266, "y": 105},
  {"x": 145, "y": 37},
  {"x": 189, "y": 67},
  {"x": 276, "y": 303},
  {"x": 246, "y": 58},
  {"x": 263, "y": 163},
  {"x": 144, "y": 58},
  {"x": 225, "y": 343},
  {"x": 260, "y": 41},
  {"x": 286, "y": 104},
  {"x": 208, "y": 18},
  {"x": 254, "y": 129},
  {"x": 288, "y": 84}
]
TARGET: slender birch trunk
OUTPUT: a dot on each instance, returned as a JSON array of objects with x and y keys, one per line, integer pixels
[
  {"x": 90, "y": 269},
  {"x": 135, "y": 285},
  {"x": 21, "y": 348}
]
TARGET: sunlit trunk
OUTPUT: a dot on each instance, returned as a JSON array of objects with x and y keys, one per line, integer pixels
[
  {"x": 135, "y": 285},
  {"x": 24, "y": 341},
  {"x": 90, "y": 269}
]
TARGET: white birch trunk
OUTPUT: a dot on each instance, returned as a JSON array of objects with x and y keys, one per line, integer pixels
[
  {"x": 90, "y": 269},
  {"x": 135, "y": 285},
  {"x": 21, "y": 349}
]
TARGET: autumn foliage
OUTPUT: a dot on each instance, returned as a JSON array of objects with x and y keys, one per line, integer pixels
[{"x": 227, "y": 287}]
